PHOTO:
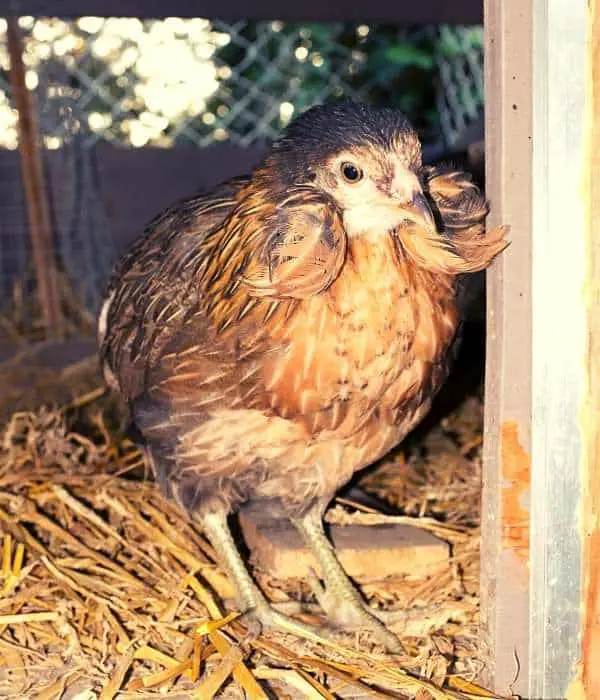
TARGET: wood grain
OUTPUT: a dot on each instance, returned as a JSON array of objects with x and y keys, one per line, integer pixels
[
  {"x": 591, "y": 414},
  {"x": 504, "y": 568}
]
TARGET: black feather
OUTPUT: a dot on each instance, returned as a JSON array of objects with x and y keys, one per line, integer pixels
[{"x": 324, "y": 130}]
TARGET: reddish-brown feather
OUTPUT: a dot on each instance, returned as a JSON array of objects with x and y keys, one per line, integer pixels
[{"x": 266, "y": 356}]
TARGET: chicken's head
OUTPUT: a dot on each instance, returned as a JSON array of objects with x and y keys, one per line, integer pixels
[{"x": 367, "y": 159}]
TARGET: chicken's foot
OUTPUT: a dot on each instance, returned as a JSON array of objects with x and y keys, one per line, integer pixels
[
  {"x": 254, "y": 604},
  {"x": 339, "y": 598}
]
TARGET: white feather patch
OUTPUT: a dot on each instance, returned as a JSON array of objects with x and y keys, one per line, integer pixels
[{"x": 103, "y": 317}]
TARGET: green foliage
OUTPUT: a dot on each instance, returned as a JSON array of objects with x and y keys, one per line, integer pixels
[{"x": 312, "y": 63}]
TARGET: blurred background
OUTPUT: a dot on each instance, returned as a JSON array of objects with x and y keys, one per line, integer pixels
[{"x": 106, "y": 120}]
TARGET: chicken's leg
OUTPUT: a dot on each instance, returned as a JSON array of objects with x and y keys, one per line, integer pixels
[
  {"x": 251, "y": 598},
  {"x": 340, "y": 599}
]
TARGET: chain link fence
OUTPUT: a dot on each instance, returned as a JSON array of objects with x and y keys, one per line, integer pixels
[
  {"x": 161, "y": 82},
  {"x": 136, "y": 83}
]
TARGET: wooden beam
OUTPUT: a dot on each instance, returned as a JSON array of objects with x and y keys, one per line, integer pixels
[
  {"x": 426, "y": 11},
  {"x": 507, "y": 440},
  {"x": 38, "y": 212},
  {"x": 559, "y": 341},
  {"x": 590, "y": 671},
  {"x": 537, "y": 346}
]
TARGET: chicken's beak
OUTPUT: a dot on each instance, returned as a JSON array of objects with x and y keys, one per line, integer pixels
[{"x": 419, "y": 211}]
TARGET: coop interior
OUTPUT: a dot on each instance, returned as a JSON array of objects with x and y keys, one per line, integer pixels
[{"x": 107, "y": 590}]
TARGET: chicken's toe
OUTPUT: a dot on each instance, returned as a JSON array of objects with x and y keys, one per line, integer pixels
[
  {"x": 265, "y": 617},
  {"x": 346, "y": 610}
]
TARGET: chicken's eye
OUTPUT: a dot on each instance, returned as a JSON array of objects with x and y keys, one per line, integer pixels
[{"x": 352, "y": 173}]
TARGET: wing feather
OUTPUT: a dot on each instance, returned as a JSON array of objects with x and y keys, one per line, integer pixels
[
  {"x": 304, "y": 251},
  {"x": 153, "y": 290}
]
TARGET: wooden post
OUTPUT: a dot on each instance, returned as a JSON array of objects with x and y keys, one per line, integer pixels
[
  {"x": 35, "y": 192},
  {"x": 537, "y": 346},
  {"x": 590, "y": 671},
  {"x": 507, "y": 440},
  {"x": 559, "y": 341}
]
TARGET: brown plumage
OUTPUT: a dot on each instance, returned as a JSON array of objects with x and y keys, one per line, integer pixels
[{"x": 285, "y": 330}]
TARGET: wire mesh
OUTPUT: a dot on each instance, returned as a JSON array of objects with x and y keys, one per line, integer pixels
[
  {"x": 136, "y": 83},
  {"x": 459, "y": 93}
]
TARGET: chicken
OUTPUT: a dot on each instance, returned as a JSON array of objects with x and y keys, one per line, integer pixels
[{"x": 285, "y": 330}]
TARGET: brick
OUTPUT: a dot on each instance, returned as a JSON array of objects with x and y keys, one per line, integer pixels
[{"x": 367, "y": 552}]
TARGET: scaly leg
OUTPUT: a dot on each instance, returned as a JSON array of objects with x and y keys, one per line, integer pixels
[
  {"x": 340, "y": 599},
  {"x": 252, "y": 599}
]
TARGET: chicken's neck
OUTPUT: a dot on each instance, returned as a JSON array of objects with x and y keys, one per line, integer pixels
[{"x": 377, "y": 268}]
